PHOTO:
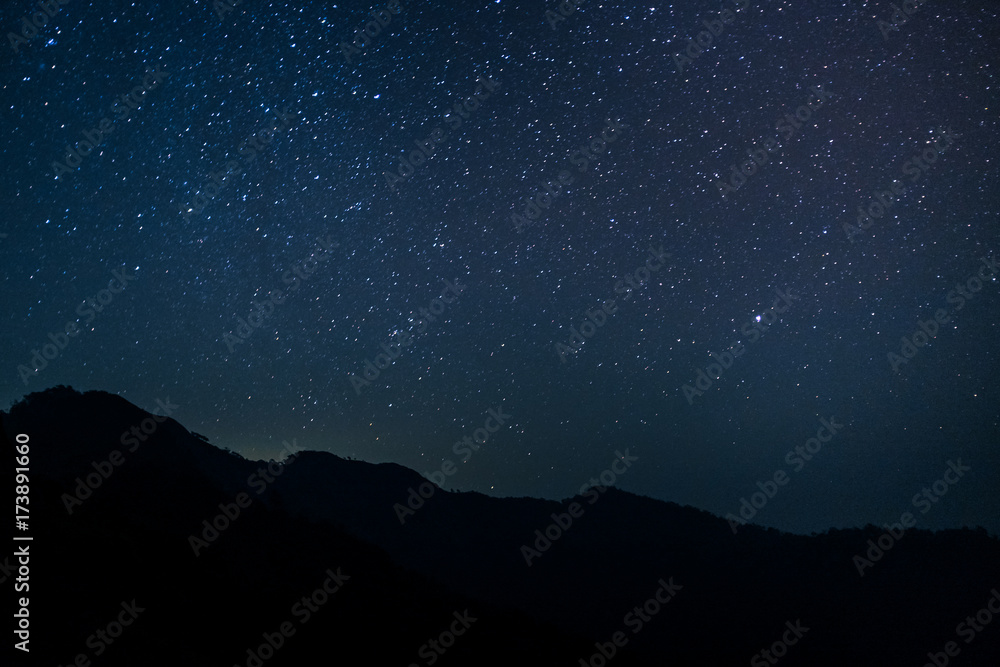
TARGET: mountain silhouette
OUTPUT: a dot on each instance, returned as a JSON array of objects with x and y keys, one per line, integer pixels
[{"x": 216, "y": 560}]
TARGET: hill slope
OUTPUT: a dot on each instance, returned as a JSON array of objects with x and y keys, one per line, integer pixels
[{"x": 208, "y": 593}]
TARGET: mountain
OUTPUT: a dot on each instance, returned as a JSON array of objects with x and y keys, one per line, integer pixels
[{"x": 446, "y": 579}]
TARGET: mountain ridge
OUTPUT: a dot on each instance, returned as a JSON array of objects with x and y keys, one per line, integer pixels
[{"x": 577, "y": 571}]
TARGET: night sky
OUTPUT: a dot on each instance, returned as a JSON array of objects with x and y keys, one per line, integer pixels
[{"x": 262, "y": 164}]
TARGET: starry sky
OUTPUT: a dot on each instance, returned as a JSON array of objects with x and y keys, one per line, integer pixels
[{"x": 262, "y": 164}]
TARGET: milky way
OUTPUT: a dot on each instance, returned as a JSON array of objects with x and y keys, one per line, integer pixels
[{"x": 365, "y": 227}]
